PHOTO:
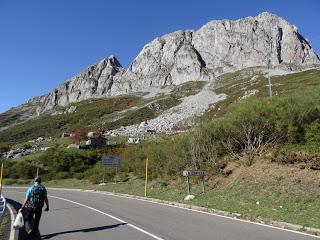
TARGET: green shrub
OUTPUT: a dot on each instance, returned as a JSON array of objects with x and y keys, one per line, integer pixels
[
  {"x": 4, "y": 147},
  {"x": 10, "y": 181},
  {"x": 312, "y": 131},
  {"x": 65, "y": 163}
]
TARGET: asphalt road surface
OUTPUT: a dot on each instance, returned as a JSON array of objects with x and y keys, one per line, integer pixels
[{"x": 89, "y": 215}]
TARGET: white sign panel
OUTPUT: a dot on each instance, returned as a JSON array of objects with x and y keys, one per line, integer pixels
[{"x": 193, "y": 173}]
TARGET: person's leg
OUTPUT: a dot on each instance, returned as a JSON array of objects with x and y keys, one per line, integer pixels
[
  {"x": 29, "y": 220},
  {"x": 38, "y": 213}
]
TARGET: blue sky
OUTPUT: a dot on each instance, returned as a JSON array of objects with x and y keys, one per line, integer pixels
[{"x": 45, "y": 42}]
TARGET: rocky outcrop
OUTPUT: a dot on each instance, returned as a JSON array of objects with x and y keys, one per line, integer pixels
[
  {"x": 218, "y": 47},
  {"x": 171, "y": 59},
  {"x": 95, "y": 81}
]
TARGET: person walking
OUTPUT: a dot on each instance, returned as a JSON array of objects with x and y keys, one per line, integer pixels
[{"x": 33, "y": 203}]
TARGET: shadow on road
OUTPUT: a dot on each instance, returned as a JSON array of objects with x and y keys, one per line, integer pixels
[
  {"x": 37, "y": 236},
  {"x": 94, "y": 229},
  {"x": 22, "y": 233}
]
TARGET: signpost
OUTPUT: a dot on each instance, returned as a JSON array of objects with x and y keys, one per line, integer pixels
[
  {"x": 111, "y": 161},
  {"x": 190, "y": 173}
]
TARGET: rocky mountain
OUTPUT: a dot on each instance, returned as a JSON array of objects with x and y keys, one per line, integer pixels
[
  {"x": 95, "y": 81},
  {"x": 218, "y": 47}
]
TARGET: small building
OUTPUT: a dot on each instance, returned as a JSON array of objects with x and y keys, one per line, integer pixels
[{"x": 96, "y": 139}]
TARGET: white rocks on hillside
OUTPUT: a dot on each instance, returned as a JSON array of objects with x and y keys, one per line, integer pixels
[{"x": 191, "y": 106}]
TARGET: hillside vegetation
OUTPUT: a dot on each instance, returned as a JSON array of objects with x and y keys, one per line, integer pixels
[
  {"x": 249, "y": 128},
  {"x": 259, "y": 149},
  {"x": 237, "y": 84},
  {"x": 95, "y": 114}
]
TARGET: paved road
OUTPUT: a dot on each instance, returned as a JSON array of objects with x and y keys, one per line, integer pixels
[{"x": 88, "y": 215}]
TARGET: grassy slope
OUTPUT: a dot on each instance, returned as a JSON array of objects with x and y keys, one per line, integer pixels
[
  {"x": 236, "y": 84},
  {"x": 106, "y": 113}
]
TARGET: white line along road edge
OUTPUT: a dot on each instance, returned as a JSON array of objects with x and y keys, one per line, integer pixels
[
  {"x": 106, "y": 214},
  {"x": 12, "y": 230}
]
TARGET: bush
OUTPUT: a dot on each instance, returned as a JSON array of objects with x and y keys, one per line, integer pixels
[
  {"x": 27, "y": 146},
  {"x": 244, "y": 132},
  {"x": 312, "y": 132},
  {"x": 10, "y": 181},
  {"x": 4, "y": 147},
  {"x": 167, "y": 156},
  {"x": 66, "y": 163},
  {"x": 19, "y": 169}
]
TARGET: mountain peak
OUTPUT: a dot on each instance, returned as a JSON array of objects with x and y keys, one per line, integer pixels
[
  {"x": 268, "y": 15},
  {"x": 114, "y": 61},
  {"x": 218, "y": 47}
]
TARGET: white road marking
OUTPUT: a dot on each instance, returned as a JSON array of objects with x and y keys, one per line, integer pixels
[
  {"x": 12, "y": 230},
  {"x": 107, "y": 214}
]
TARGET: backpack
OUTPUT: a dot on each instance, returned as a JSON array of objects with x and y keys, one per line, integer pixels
[{"x": 37, "y": 197}]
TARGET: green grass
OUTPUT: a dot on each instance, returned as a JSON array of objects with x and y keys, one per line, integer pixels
[
  {"x": 187, "y": 89},
  {"x": 16, "y": 115},
  {"x": 58, "y": 141},
  {"x": 87, "y": 115},
  {"x": 235, "y": 84},
  {"x": 9, "y": 117},
  {"x": 307, "y": 147},
  {"x": 30, "y": 157}
]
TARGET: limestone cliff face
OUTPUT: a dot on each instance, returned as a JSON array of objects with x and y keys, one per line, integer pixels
[
  {"x": 95, "y": 81},
  {"x": 218, "y": 47}
]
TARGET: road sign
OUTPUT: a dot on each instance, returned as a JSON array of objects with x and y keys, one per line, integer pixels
[
  {"x": 111, "y": 161},
  {"x": 196, "y": 173},
  {"x": 193, "y": 173}
]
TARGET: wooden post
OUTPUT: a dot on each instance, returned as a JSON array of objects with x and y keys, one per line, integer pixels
[
  {"x": 146, "y": 182},
  {"x": 37, "y": 172},
  {"x": 202, "y": 180},
  {"x": 115, "y": 179},
  {"x": 189, "y": 189},
  {"x": 104, "y": 174}
]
